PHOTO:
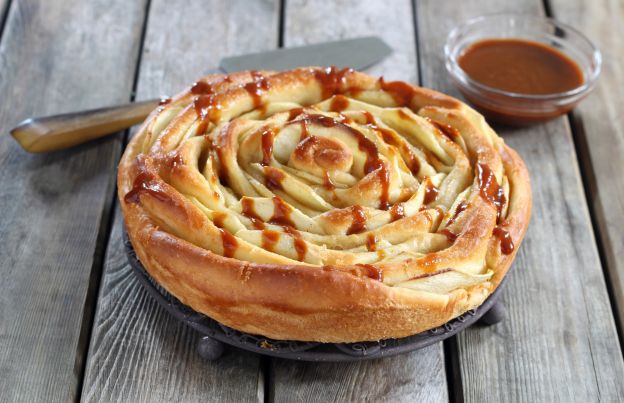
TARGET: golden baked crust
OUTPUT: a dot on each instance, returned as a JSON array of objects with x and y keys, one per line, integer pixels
[{"x": 323, "y": 204}]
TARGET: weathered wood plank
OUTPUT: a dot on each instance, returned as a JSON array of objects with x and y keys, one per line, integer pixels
[
  {"x": 599, "y": 128},
  {"x": 558, "y": 342},
  {"x": 54, "y": 58},
  {"x": 414, "y": 377},
  {"x": 138, "y": 352},
  {"x": 308, "y": 22},
  {"x": 419, "y": 376}
]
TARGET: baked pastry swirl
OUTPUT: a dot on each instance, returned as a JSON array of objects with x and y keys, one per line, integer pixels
[{"x": 323, "y": 204}]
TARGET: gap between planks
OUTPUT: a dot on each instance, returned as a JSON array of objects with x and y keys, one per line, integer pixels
[{"x": 104, "y": 235}]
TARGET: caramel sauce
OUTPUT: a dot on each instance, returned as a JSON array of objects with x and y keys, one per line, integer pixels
[
  {"x": 281, "y": 213},
  {"x": 269, "y": 239},
  {"x": 230, "y": 244},
  {"x": 489, "y": 189},
  {"x": 370, "y": 119},
  {"x": 201, "y": 87},
  {"x": 330, "y": 79},
  {"x": 401, "y": 92},
  {"x": 300, "y": 245},
  {"x": 371, "y": 242},
  {"x": 164, "y": 101},
  {"x": 371, "y": 271},
  {"x": 450, "y": 235},
  {"x": 461, "y": 207},
  {"x": 359, "y": 220},
  {"x": 506, "y": 243},
  {"x": 249, "y": 211},
  {"x": 207, "y": 109},
  {"x": 447, "y": 130},
  {"x": 293, "y": 113},
  {"x": 431, "y": 192},
  {"x": 145, "y": 183},
  {"x": 339, "y": 103},
  {"x": 397, "y": 212},
  {"x": 384, "y": 178},
  {"x": 257, "y": 87},
  {"x": 268, "y": 135},
  {"x": 273, "y": 178},
  {"x": 520, "y": 66}
]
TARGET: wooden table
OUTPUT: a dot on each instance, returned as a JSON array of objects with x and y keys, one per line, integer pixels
[{"x": 76, "y": 324}]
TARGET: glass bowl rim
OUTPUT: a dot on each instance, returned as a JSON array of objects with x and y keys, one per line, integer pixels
[{"x": 458, "y": 73}]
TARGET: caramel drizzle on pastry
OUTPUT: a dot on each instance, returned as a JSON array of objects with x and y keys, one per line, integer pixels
[{"x": 391, "y": 164}]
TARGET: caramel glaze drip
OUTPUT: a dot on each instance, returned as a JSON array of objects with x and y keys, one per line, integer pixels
[
  {"x": 300, "y": 246},
  {"x": 359, "y": 220},
  {"x": 206, "y": 105},
  {"x": 489, "y": 189},
  {"x": 281, "y": 216},
  {"x": 461, "y": 207},
  {"x": 384, "y": 177},
  {"x": 273, "y": 178},
  {"x": 447, "y": 130},
  {"x": 293, "y": 113},
  {"x": 248, "y": 207},
  {"x": 450, "y": 235},
  {"x": 339, "y": 103},
  {"x": 201, "y": 87},
  {"x": 431, "y": 192},
  {"x": 207, "y": 110},
  {"x": 269, "y": 239},
  {"x": 145, "y": 183},
  {"x": 268, "y": 136},
  {"x": 281, "y": 213},
  {"x": 401, "y": 92},
  {"x": 371, "y": 271},
  {"x": 397, "y": 212},
  {"x": 371, "y": 242},
  {"x": 257, "y": 87},
  {"x": 493, "y": 193},
  {"x": 506, "y": 243},
  {"x": 331, "y": 79},
  {"x": 164, "y": 101},
  {"x": 230, "y": 244}
]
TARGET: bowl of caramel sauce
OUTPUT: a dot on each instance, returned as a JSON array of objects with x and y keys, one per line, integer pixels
[{"x": 521, "y": 69}]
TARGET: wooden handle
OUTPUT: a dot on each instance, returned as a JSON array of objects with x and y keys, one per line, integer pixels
[{"x": 58, "y": 132}]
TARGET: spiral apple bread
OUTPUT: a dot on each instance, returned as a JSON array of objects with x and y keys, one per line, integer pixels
[{"x": 322, "y": 204}]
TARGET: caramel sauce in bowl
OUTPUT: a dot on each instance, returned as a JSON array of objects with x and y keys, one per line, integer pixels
[{"x": 520, "y": 69}]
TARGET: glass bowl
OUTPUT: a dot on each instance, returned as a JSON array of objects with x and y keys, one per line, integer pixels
[{"x": 515, "y": 108}]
